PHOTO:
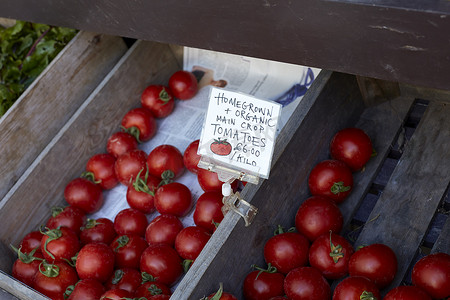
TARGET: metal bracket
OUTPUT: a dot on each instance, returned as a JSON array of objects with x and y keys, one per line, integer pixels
[{"x": 235, "y": 203}]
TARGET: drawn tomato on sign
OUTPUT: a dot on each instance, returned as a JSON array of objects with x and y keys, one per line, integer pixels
[{"x": 221, "y": 147}]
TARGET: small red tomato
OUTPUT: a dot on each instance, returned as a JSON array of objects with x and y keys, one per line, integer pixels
[
  {"x": 221, "y": 295},
  {"x": 158, "y": 99},
  {"x": 95, "y": 261},
  {"x": 31, "y": 241},
  {"x": 191, "y": 158},
  {"x": 141, "y": 123},
  {"x": 405, "y": 292},
  {"x": 52, "y": 280},
  {"x": 432, "y": 274},
  {"x": 84, "y": 194},
  {"x": 70, "y": 217},
  {"x": 128, "y": 250},
  {"x": 330, "y": 254},
  {"x": 101, "y": 168},
  {"x": 120, "y": 143},
  {"x": 263, "y": 284},
  {"x": 376, "y": 262},
  {"x": 351, "y": 146},
  {"x": 165, "y": 158},
  {"x": 307, "y": 283},
  {"x": 163, "y": 263},
  {"x": 141, "y": 193},
  {"x": 208, "y": 210},
  {"x": 209, "y": 181},
  {"x": 331, "y": 179},
  {"x": 130, "y": 221},
  {"x": 26, "y": 265},
  {"x": 87, "y": 289},
  {"x": 129, "y": 165},
  {"x": 59, "y": 244},
  {"x": 116, "y": 294},
  {"x": 318, "y": 215},
  {"x": 126, "y": 279},
  {"x": 150, "y": 288},
  {"x": 190, "y": 242},
  {"x": 356, "y": 287},
  {"x": 183, "y": 85},
  {"x": 174, "y": 198},
  {"x": 163, "y": 230},
  {"x": 100, "y": 230},
  {"x": 286, "y": 251}
]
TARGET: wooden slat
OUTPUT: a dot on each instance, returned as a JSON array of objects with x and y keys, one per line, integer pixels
[
  {"x": 17, "y": 288},
  {"x": 442, "y": 244},
  {"x": 303, "y": 142},
  {"x": 412, "y": 195},
  {"x": 51, "y": 100}
]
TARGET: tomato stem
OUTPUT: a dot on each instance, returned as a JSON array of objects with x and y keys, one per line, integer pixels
[
  {"x": 367, "y": 296},
  {"x": 336, "y": 251},
  {"x": 147, "y": 277},
  {"x": 154, "y": 290},
  {"x": 50, "y": 270},
  {"x": 121, "y": 242},
  {"x": 338, "y": 187},
  {"x": 118, "y": 274},
  {"x": 270, "y": 269},
  {"x": 164, "y": 96},
  {"x": 187, "y": 263}
]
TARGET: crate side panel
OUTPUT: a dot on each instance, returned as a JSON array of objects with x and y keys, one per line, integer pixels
[{"x": 52, "y": 99}]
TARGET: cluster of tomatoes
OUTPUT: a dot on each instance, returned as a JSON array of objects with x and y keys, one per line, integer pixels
[
  {"x": 75, "y": 257},
  {"x": 303, "y": 261}
]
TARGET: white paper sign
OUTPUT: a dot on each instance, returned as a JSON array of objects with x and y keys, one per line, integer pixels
[{"x": 239, "y": 131}]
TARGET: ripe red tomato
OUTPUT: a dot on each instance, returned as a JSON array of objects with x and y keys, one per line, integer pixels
[
  {"x": 130, "y": 221},
  {"x": 220, "y": 147},
  {"x": 208, "y": 210},
  {"x": 163, "y": 263},
  {"x": 307, "y": 283},
  {"x": 52, "y": 280},
  {"x": 70, "y": 217},
  {"x": 158, "y": 99},
  {"x": 101, "y": 166},
  {"x": 356, "y": 287},
  {"x": 120, "y": 143},
  {"x": 141, "y": 193},
  {"x": 26, "y": 265},
  {"x": 150, "y": 288},
  {"x": 95, "y": 261},
  {"x": 87, "y": 289},
  {"x": 163, "y": 230},
  {"x": 190, "y": 241},
  {"x": 174, "y": 198},
  {"x": 161, "y": 297},
  {"x": 165, "y": 158},
  {"x": 84, "y": 194},
  {"x": 209, "y": 181},
  {"x": 330, "y": 254},
  {"x": 129, "y": 165},
  {"x": 377, "y": 262},
  {"x": 287, "y": 251},
  {"x": 183, "y": 85},
  {"x": 432, "y": 274},
  {"x": 126, "y": 279},
  {"x": 191, "y": 158},
  {"x": 116, "y": 294},
  {"x": 263, "y": 284},
  {"x": 59, "y": 244},
  {"x": 128, "y": 250},
  {"x": 351, "y": 146},
  {"x": 221, "y": 295},
  {"x": 141, "y": 123},
  {"x": 100, "y": 230},
  {"x": 318, "y": 215},
  {"x": 332, "y": 179},
  {"x": 405, "y": 292},
  {"x": 31, "y": 241}
]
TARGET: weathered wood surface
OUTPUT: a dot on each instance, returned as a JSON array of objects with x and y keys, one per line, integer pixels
[
  {"x": 302, "y": 143},
  {"x": 414, "y": 191},
  {"x": 46, "y": 106},
  {"x": 27, "y": 205},
  {"x": 14, "y": 289}
]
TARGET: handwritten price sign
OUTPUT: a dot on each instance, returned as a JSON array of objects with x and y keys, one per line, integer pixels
[{"x": 239, "y": 131}]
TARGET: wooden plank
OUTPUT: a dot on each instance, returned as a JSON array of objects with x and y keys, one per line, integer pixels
[
  {"x": 400, "y": 41},
  {"x": 29, "y": 201},
  {"x": 17, "y": 288},
  {"x": 51, "y": 100},
  {"x": 442, "y": 244},
  {"x": 234, "y": 248},
  {"x": 425, "y": 93},
  {"x": 411, "y": 197}
]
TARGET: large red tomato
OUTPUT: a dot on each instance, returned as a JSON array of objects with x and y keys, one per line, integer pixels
[
  {"x": 84, "y": 194},
  {"x": 130, "y": 221},
  {"x": 190, "y": 241},
  {"x": 101, "y": 166},
  {"x": 191, "y": 158},
  {"x": 307, "y": 283},
  {"x": 87, "y": 289},
  {"x": 174, "y": 198},
  {"x": 318, "y": 215},
  {"x": 377, "y": 262},
  {"x": 100, "y": 230},
  {"x": 351, "y": 146},
  {"x": 59, "y": 244},
  {"x": 162, "y": 262},
  {"x": 356, "y": 287},
  {"x": 165, "y": 158},
  {"x": 95, "y": 261},
  {"x": 407, "y": 292},
  {"x": 432, "y": 273},
  {"x": 158, "y": 99},
  {"x": 52, "y": 280},
  {"x": 332, "y": 179},
  {"x": 183, "y": 85},
  {"x": 141, "y": 123},
  {"x": 330, "y": 254},
  {"x": 120, "y": 143},
  {"x": 287, "y": 251},
  {"x": 70, "y": 217},
  {"x": 163, "y": 230},
  {"x": 208, "y": 210},
  {"x": 263, "y": 284},
  {"x": 128, "y": 250},
  {"x": 129, "y": 165}
]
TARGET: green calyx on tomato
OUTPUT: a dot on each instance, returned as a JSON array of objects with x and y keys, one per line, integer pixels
[
  {"x": 118, "y": 274},
  {"x": 90, "y": 223},
  {"x": 121, "y": 242},
  {"x": 187, "y": 263},
  {"x": 338, "y": 187},
  {"x": 140, "y": 184},
  {"x": 26, "y": 258},
  {"x": 154, "y": 290},
  {"x": 217, "y": 295},
  {"x": 367, "y": 296},
  {"x": 134, "y": 131},
  {"x": 56, "y": 210},
  {"x": 166, "y": 177},
  {"x": 336, "y": 251},
  {"x": 280, "y": 230},
  {"x": 50, "y": 270},
  {"x": 147, "y": 277},
  {"x": 164, "y": 96},
  {"x": 270, "y": 269},
  {"x": 53, "y": 234},
  {"x": 69, "y": 291},
  {"x": 90, "y": 176}
]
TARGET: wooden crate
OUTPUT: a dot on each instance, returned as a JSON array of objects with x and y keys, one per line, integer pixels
[{"x": 333, "y": 102}]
